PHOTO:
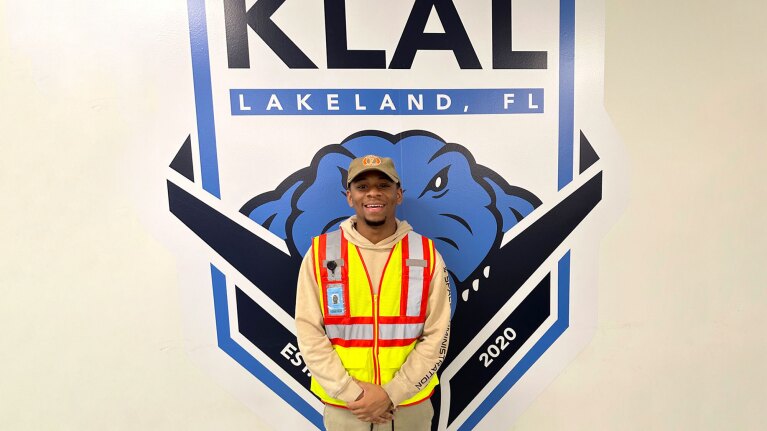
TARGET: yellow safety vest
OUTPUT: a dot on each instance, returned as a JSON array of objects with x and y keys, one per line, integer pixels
[{"x": 373, "y": 334}]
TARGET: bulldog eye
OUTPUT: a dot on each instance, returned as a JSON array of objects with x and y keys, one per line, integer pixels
[{"x": 437, "y": 183}]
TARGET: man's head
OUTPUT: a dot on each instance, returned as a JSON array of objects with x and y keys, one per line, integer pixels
[
  {"x": 372, "y": 162},
  {"x": 373, "y": 190}
]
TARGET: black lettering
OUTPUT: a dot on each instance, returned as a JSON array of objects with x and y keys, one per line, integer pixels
[
  {"x": 339, "y": 56},
  {"x": 259, "y": 18},
  {"x": 504, "y": 57},
  {"x": 454, "y": 38}
]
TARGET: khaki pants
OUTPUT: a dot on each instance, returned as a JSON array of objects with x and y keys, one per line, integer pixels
[{"x": 411, "y": 418}]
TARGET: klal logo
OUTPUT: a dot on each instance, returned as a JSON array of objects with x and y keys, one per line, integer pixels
[
  {"x": 465, "y": 207},
  {"x": 500, "y": 186}
]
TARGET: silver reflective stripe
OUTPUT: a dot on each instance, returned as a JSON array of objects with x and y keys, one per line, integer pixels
[
  {"x": 398, "y": 331},
  {"x": 416, "y": 274},
  {"x": 350, "y": 332},
  {"x": 333, "y": 253}
]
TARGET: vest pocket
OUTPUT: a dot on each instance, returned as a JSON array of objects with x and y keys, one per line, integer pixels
[
  {"x": 391, "y": 359},
  {"x": 358, "y": 363}
]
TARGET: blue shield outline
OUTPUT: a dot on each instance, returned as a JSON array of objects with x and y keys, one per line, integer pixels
[{"x": 210, "y": 183}]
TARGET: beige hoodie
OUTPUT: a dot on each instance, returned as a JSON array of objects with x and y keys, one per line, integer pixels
[{"x": 315, "y": 347}]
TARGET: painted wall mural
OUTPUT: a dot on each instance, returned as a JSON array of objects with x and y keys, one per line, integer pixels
[{"x": 492, "y": 112}]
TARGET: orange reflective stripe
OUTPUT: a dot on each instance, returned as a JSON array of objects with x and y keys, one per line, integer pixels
[
  {"x": 317, "y": 275},
  {"x": 345, "y": 271},
  {"x": 427, "y": 274},
  {"x": 404, "y": 298},
  {"x": 351, "y": 343},
  {"x": 321, "y": 257}
]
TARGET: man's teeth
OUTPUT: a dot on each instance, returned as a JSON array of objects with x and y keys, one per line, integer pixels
[{"x": 373, "y": 206}]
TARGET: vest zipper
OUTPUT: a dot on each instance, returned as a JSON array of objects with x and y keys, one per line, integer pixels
[
  {"x": 376, "y": 363},
  {"x": 376, "y": 311}
]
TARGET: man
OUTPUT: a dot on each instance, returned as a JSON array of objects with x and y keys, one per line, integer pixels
[{"x": 373, "y": 310}]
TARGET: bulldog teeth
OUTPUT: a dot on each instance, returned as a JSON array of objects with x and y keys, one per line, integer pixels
[{"x": 475, "y": 284}]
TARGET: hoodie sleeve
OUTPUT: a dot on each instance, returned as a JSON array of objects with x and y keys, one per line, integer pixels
[
  {"x": 315, "y": 347},
  {"x": 430, "y": 350}
]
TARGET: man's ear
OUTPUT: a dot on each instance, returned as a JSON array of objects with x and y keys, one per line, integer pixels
[
  {"x": 349, "y": 197},
  {"x": 400, "y": 195}
]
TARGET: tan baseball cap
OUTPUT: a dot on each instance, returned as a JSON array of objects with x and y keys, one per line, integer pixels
[{"x": 371, "y": 162}]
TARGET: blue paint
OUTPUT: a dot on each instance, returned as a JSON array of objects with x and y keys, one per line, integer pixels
[
  {"x": 565, "y": 176},
  {"x": 302, "y": 213},
  {"x": 417, "y": 101},
  {"x": 210, "y": 182},
  {"x": 203, "y": 97},
  {"x": 548, "y": 339},
  {"x": 566, "y": 91},
  {"x": 228, "y": 345}
]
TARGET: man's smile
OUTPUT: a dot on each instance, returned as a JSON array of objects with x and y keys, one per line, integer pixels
[{"x": 374, "y": 208}]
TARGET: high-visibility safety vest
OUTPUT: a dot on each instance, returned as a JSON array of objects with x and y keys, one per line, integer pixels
[{"x": 373, "y": 334}]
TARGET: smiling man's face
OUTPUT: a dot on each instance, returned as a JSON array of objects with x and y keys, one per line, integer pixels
[{"x": 374, "y": 197}]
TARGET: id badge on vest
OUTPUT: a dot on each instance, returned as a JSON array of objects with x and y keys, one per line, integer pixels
[{"x": 336, "y": 300}]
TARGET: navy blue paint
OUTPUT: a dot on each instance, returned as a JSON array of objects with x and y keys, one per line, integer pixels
[
  {"x": 228, "y": 345},
  {"x": 587, "y": 155},
  {"x": 253, "y": 322},
  {"x": 473, "y": 376},
  {"x": 528, "y": 250},
  {"x": 183, "y": 163},
  {"x": 548, "y": 339},
  {"x": 248, "y": 253}
]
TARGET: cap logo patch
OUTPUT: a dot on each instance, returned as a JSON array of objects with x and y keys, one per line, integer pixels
[{"x": 371, "y": 161}]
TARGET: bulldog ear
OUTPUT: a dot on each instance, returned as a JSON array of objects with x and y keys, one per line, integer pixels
[
  {"x": 272, "y": 209},
  {"x": 512, "y": 203}
]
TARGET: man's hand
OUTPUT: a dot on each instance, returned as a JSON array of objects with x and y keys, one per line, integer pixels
[{"x": 373, "y": 406}]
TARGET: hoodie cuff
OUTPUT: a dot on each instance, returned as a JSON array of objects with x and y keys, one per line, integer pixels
[
  {"x": 350, "y": 392},
  {"x": 397, "y": 390}
]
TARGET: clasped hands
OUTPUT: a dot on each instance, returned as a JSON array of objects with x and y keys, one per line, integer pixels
[{"x": 373, "y": 406}]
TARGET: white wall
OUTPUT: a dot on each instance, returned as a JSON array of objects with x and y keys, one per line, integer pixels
[
  {"x": 91, "y": 324},
  {"x": 682, "y": 288}
]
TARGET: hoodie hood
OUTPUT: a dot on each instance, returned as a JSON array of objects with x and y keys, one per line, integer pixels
[{"x": 354, "y": 237}]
